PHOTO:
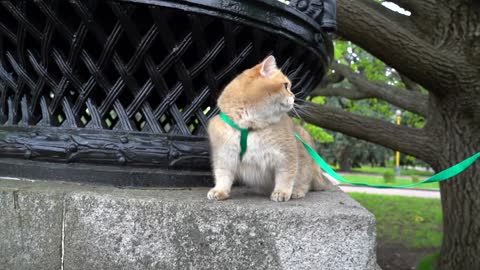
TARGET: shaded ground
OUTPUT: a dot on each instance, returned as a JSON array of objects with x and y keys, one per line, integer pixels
[
  {"x": 409, "y": 221},
  {"x": 398, "y": 257},
  {"x": 408, "y": 228}
]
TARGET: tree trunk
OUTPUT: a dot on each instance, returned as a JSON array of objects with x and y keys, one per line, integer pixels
[
  {"x": 345, "y": 159},
  {"x": 459, "y": 138},
  {"x": 461, "y": 223},
  {"x": 438, "y": 47}
]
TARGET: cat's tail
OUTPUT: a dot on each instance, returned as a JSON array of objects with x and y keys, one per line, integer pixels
[{"x": 323, "y": 182}]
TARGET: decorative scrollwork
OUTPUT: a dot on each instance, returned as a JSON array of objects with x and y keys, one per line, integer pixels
[{"x": 313, "y": 8}]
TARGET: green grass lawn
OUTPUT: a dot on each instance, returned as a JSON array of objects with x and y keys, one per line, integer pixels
[
  {"x": 428, "y": 263},
  {"x": 412, "y": 222},
  {"x": 382, "y": 170},
  {"x": 379, "y": 180}
]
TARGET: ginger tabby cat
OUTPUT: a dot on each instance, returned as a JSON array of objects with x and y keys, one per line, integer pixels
[{"x": 259, "y": 99}]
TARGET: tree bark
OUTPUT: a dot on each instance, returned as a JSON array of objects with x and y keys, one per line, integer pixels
[
  {"x": 401, "y": 48},
  {"x": 461, "y": 211},
  {"x": 340, "y": 92},
  {"x": 458, "y": 132},
  {"x": 409, "y": 84},
  {"x": 415, "y": 142},
  {"x": 415, "y": 102}
]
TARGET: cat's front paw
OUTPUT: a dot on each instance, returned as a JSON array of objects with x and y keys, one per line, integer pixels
[
  {"x": 280, "y": 196},
  {"x": 217, "y": 194}
]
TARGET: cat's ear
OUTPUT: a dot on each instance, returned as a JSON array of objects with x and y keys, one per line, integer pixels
[{"x": 268, "y": 67}]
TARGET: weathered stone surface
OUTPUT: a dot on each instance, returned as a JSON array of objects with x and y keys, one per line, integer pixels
[
  {"x": 30, "y": 229},
  {"x": 109, "y": 228}
]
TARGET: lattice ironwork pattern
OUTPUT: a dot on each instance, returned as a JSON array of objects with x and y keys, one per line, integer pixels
[
  {"x": 125, "y": 88},
  {"x": 120, "y": 66}
]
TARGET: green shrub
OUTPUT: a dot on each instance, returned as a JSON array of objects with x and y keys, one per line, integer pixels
[
  {"x": 389, "y": 177},
  {"x": 415, "y": 179}
]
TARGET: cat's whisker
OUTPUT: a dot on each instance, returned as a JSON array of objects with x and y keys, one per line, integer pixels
[
  {"x": 302, "y": 107},
  {"x": 299, "y": 117},
  {"x": 299, "y": 99},
  {"x": 304, "y": 111}
]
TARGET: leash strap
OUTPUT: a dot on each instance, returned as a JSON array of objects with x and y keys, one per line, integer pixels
[
  {"x": 441, "y": 176},
  {"x": 243, "y": 133}
]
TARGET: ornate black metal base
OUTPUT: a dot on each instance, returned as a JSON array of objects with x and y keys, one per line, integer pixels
[
  {"x": 103, "y": 174},
  {"x": 136, "y": 149},
  {"x": 121, "y": 91}
]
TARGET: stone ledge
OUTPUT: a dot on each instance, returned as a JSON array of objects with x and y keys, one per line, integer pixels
[{"x": 50, "y": 225}]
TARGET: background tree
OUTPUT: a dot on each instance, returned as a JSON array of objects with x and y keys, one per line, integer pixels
[
  {"x": 347, "y": 151},
  {"x": 438, "y": 47}
]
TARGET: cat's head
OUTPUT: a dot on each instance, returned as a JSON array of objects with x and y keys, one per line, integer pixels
[{"x": 259, "y": 96}]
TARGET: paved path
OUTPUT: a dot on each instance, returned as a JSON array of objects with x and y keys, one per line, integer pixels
[
  {"x": 387, "y": 191},
  {"x": 407, "y": 177},
  {"x": 393, "y": 191}
]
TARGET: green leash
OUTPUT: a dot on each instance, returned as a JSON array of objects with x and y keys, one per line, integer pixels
[
  {"x": 441, "y": 176},
  {"x": 243, "y": 133}
]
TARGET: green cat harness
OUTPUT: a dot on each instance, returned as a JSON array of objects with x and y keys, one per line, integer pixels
[
  {"x": 441, "y": 176},
  {"x": 243, "y": 133}
]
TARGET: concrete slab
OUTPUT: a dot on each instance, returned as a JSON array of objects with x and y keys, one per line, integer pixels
[
  {"x": 85, "y": 227},
  {"x": 30, "y": 229}
]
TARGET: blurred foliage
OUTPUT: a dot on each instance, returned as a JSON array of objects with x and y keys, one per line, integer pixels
[
  {"x": 361, "y": 152},
  {"x": 319, "y": 134}
]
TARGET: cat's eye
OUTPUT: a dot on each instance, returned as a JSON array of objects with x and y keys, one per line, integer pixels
[{"x": 286, "y": 86}]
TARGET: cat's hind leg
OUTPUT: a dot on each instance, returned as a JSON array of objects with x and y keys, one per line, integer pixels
[
  {"x": 321, "y": 182},
  {"x": 300, "y": 189},
  {"x": 303, "y": 182}
]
